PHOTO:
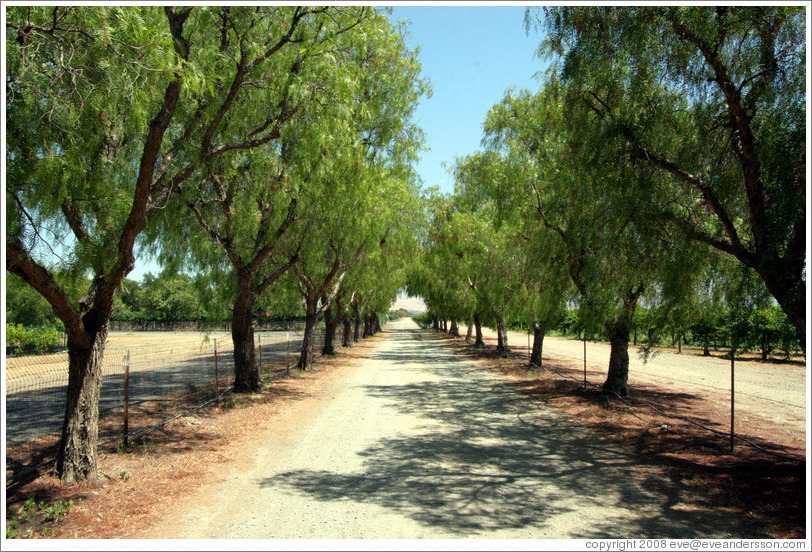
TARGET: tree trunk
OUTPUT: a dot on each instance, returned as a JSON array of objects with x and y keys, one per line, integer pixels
[
  {"x": 454, "y": 331},
  {"x": 538, "y": 344},
  {"x": 367, "y": 326},
  {"x": 378, "y": 327},
  {"x": 618, "y": 376},
  {"x": 469, "y": 332},
  {"x": 478, "y": 342},
  {"x": 76, "y": 458},
  {"x": 347, "y": 337},
  {"x": 788, "y": 288},
  {"x": 331, "y": 322},
  {"x": 311, "y": 321},
  {"x": 356, "y": 330},
  {"x": 706, "y": 344},
  {"x": 246, "y": 372},
  {"x": 501, "y": 335}
]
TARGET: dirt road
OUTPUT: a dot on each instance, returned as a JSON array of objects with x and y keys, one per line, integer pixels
[{"x": 417, "y": 442}]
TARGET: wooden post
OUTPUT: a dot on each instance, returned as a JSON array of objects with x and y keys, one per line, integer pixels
[
  {"x": 259, "y": 342},
  {"x": 216, "y": 376},
  {"x": 126, "y": 398}
]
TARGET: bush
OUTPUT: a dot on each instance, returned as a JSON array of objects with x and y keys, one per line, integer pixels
[
  {"x": 423, "y": 319},
  {"x": 33, "y": 340}
]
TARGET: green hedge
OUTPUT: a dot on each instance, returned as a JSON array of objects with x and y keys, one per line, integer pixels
[{"x": 32, "y": 340}]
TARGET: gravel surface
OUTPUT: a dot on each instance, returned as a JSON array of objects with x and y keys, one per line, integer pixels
[{"x": 417, "y": 442}]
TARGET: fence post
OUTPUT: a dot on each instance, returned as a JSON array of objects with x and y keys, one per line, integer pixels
[
  {"x": 584, "y": 360},
  {"x": 732, "y": 395},
  {"x": 216, "y": 376},
  {"x": 126, "y": 398},
  {"x": 259, "y": 343}
]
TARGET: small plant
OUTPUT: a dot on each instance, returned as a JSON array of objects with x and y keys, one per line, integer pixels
[
  {"x": 124, "y": 475},
  {"x": 35, "y": 517}
]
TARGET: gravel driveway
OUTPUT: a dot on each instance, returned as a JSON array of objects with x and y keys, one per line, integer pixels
[{"x": 417, "y": 442}]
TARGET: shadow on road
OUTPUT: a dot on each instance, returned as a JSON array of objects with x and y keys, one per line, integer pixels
[{"x": 487, "y": 458}]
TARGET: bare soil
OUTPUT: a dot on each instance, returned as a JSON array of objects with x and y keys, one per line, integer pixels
[
  {"x": 763, "y": 487},
  {"x": 142, "y": 487}
]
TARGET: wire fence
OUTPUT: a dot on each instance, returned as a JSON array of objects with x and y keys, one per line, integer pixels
[
  {"x": 147, "y": 382},
  {"x": 783, "y": 411}
]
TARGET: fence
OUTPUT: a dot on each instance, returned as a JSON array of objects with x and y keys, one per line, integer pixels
[{"x": 147, "y": 379}]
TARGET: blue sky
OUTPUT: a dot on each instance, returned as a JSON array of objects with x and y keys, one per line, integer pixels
[{"x": 471, "y": 55}]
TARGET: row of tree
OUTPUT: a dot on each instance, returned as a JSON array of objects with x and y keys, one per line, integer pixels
[
  {"x": 661, "y": 165},
  {"x": 267, "y": 148}
]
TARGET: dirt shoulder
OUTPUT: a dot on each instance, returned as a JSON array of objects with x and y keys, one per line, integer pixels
[{"x": 761, "y": 487}]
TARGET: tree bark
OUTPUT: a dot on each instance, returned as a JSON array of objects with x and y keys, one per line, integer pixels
[
  {"x": 538, "y": 344},
  {"x": 454, "y": 330},
  {"x": 478, "y": 342},
  {"x": 356, "y": 327},
  {"x": 246, "y": 372},
  {"x": 501, "y": 335},
  {"x": 469, "y": 332},
  {"x": 368, "y": 326},
  {"x": 378, "y": 327},
  {"x": 311, "y": 321},
  {"x": 618, "y": 375},
  {"x": 346, "y": 340},
  {"x": 76, "y": 458},
  {"x": 331, "y": 321}
]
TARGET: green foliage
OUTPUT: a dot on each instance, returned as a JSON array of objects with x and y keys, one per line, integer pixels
[
  {"x": 33, "y": 340},
  {"x": 399, "y": 313},
  {"x": 35, "y": 518},
  {"x": 424, "y": 319},
  {"x": 709, "y": 99}
]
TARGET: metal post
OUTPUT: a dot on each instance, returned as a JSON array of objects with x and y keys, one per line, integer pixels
[
  {"x": 584, "y": 359},
  {"x": 216, "y": 376},
  {"x": 126, "y": 398},
  {"x": 732, "y": 395}
]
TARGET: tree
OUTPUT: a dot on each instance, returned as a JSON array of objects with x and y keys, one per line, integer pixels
[
  {"x": 170, "y": 298},
  {"x": 614, "y": 249},
  {"x": 712, "y": 99},
  {"x": 91, "y": 93},
  {"x": 285, "y": 71}
]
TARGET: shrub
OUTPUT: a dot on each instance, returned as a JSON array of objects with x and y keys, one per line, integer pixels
[
  {"x": 32, "y": 340},
  {"x": 422, "y": 318}
]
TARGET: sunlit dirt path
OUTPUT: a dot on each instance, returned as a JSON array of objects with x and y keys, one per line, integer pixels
[{"x": 418, "y": 442}]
